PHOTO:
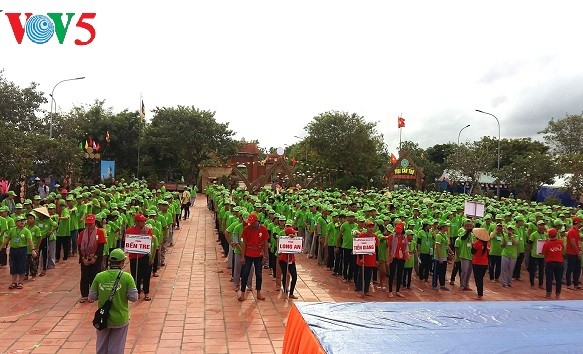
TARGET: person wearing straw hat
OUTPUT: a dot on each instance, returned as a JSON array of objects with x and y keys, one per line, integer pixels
[
  {"x": 47, "y": 226},
  {"x": 480, "y": 250},
  {"x": 113, "y": 338}
]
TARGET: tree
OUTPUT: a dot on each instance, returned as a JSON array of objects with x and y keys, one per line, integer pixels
[
  {"x": 527, "y": 174},
  {"x": 19, "y": 106},
  {"x": 564, "y": 135},
  {"x": 348, "y": 147},
  {"x": 179, "y": 139},
  {"x": 470, "y": 161}
]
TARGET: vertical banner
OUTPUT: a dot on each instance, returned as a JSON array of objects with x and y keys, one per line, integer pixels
[{"x": 107, "y": 169}]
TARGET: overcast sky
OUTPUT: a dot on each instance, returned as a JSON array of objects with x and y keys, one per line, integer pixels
[{"x": 268, "y": 67}]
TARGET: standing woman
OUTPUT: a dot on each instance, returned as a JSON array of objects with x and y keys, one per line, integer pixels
[
  {"x": 91, "y": 242},
  {"x": 398, "y": 254},
  {"x": 480, "y": 250},
  {"x": 287, "y": 262}
]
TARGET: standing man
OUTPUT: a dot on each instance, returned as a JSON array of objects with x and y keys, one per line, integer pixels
[
  {"x": 254, "y": 251},
  {"x": 113, "y": 338},
  {"x": 140, "y": 263},
  {"x": 574, "y": 254},
  {"x": 463, "y": 245},
  {"x": 185, "y": 203}
]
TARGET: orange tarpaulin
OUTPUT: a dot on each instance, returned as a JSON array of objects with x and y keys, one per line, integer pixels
[{"x": 298, "y": 336}]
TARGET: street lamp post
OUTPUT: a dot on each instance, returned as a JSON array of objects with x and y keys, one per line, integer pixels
[
  {"x": 458, "y": 135},
  {"x": 53, "y": 101},
  {"x": 295, "y": 136},
  {"x": 498, "y": 167}
]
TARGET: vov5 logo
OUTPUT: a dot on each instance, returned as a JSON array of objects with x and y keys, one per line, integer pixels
[{"x": 40, "y": 28}]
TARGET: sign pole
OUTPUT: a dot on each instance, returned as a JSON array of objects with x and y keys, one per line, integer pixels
[{"x": 285, "y": 288}]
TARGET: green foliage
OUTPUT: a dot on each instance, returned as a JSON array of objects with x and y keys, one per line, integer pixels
[
  {"x": 470, "y": 160},
  {"x": 347, "y": 145},
  {"x": 564, "y": 135},
  {"x": 528, "y": 173},
  {"x": 552, "y": 200}
]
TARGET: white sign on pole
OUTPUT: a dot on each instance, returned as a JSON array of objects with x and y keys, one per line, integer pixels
[
  {"x": 288, "y": 244},
  {"x": 138, "y": 244},
  {"x": 363, "y": 245},
  {"x": 472, "y": 208}
]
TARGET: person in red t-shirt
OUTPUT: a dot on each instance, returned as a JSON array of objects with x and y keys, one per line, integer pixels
[
  {"x": 287, "y": 262},
  {"x": 254, "y": 251},
  {"x": 397, "y": 255},
  {"x": 91, "y": 242},
  {"x": 553, "y": 252},
  {"x": 369, "y": 260},
  {"x": 480, "y": 252},
  {"x": 140, "y": 263},
  {"x": 574, "y": 254}
]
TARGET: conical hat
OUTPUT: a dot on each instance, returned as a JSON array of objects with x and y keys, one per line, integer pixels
[
  {"x": 43, "y": 210},
  {"x": 481, "y": 234}
]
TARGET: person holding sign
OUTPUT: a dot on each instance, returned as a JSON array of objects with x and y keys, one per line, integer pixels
[
  {"x": 287, "y": 262},
  {"x": 368, "y": 260},
  {"x": 536, "y": 260},
  {"x": 254, "y": 251},
  {"x": 90, "y": 242},
  {"x": 140, "y": 263}
]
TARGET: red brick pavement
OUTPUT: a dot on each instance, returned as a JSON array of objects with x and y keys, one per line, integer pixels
[{"x": 194, "y": 307}]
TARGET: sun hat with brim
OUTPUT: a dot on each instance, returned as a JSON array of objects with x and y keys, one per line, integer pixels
[
  {"x": 42, "y": 210},
  {"x": 481, "y": 234}
]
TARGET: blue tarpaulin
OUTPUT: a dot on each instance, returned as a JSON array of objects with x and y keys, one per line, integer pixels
[{"x": 452, "y": 327}]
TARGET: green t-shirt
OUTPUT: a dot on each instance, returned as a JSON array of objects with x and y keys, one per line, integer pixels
[
  {"x": 425, "y": 242},
  {"x": 411, "y": 261},
  {"x": 520, "y": 236},
  {"x": 73, "y": 221},
  {"x": 236, "y": 231},
  {"x": 19, "y": 237},
  {"x": 509, "y": 249},
  {"x": 534, "y": 237},
  {"x": 64, "y": 224},
  {"x": 119, "y": 313},
  {"x": 332, "y": 232},
  {"x": 300, "y": 219},
  {"x": 36, "y": 235},
  {"x": 495, "y": 241},
  {"x": 441, "y": 240},
  {"x": 346, "y": 231},
  {"x": 464, "y": 247},
  {"x": 81, "y": 209}
]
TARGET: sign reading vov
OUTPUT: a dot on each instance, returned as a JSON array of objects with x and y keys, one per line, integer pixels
[{"x": 138, "y": 244}]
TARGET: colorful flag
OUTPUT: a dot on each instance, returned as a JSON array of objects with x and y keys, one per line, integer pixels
[
  {"x": 401, "y": 122},
  {"x": 107, "y": 138},
  {"x": 86, "y": 145},
  {"x": 393, "y": 159},
  {"x": 81, "y": 146},
  {"x": 143, "y": 111}
]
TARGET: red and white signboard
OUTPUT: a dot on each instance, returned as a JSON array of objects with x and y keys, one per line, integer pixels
[
  {"x": 138, "y": 244},
  {"x": 363, "y": 245},
  {"x": 290, "y": 244}
]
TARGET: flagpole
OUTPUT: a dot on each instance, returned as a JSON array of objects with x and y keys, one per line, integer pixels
[
  {"x": 139, "y": 135},
  {"x": 400, "y": 131}
]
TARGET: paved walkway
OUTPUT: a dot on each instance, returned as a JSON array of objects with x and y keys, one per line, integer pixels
[{"x": 194, "y": 307}]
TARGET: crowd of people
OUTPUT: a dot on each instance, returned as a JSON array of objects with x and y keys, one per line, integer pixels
[{"x": 417, "y": 236}]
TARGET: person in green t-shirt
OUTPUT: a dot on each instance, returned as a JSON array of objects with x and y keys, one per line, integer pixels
[
  {"x": 495, "y": 255},
  {"x": 425, "y": 243},
  {"x": 410, "y": 262},
  {"x": 463, "y": 247},
  {"x": 536, "y": 260},
  {"x": 331, "y": 235},
  {"x": 112, "y": 339},
  {"x": 63, "y": 232},
  {"x": 509, "y": 254},
  {"x": 440, "y": 257},
  {"x": 35, "y": 232},
  {"x": 19, "y": 238},
  {"x": 345, "y": 241}
]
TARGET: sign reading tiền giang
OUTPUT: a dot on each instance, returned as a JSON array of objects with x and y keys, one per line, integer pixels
[{"x": 363, "y": 245}]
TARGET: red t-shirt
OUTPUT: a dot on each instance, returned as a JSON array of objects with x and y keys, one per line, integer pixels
[
  {"x": 573, "y": 234},
  {"x": 100, "y": 236},
  {"x": 370, "y": 260},
  {"x": 135, "y": 231},
  {"x": 480, "y": 257},
  {"x": 254, "y": 239},
  {"x": 287, "y": 257},
  {"x": 553, "y": 250}
]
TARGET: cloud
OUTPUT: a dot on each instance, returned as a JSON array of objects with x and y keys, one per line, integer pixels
[{"x": 502, "y": 70}]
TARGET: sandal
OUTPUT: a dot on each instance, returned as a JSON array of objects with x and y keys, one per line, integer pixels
[
  {"x": 241, "y": 298},
  {"x": 82, "y": 300},
  {"x": 19, "y": 286},
  {"x": 147, "y": 298},
  {"x": 155, "y": 275},
  {"x": 12, "y": 286},
  {"x": 293, "y": 297},
  {"x": 260, "y": 297}
]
